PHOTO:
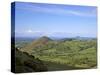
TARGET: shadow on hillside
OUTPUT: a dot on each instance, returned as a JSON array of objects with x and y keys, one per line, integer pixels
[{"x": 27, "y": 63}]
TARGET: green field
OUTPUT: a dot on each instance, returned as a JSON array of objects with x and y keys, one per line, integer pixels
[{"x": 66, "y": 54}]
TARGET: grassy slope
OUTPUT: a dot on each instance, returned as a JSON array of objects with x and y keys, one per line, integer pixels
[
  {"x": 80, "y": 54},
  {"x": 73, "y": 53}
]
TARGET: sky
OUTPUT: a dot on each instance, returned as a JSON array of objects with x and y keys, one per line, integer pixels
[{"x": 38, "y": 19}]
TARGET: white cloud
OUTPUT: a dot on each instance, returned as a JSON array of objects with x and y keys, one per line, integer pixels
[{"x": 29, "y": 31}]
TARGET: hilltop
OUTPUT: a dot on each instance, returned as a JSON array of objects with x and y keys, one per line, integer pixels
[{"x": 36, "y": 44}]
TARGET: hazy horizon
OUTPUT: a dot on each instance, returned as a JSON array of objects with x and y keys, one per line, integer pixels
[{"x": 52, "y": 20}]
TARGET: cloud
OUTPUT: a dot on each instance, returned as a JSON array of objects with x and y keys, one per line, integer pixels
[
  {"x": 54, "y": 9},
  {"x": 29, "y": 31}
]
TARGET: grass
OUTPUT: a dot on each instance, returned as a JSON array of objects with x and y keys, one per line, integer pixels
[{"x": 74, "y": 54}]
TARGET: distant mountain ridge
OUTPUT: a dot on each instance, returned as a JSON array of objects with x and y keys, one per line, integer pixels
[
  {"x": 45, "y": 41},
  {"x": 44, "y": 38}
]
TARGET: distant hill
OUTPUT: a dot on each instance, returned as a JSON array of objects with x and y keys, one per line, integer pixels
[{"x": 36, "y": 43}]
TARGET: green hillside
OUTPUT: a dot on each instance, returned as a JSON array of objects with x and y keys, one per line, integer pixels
[
  {"x": 75, "y": 53},
  {"x": 36, "y": 44}
]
